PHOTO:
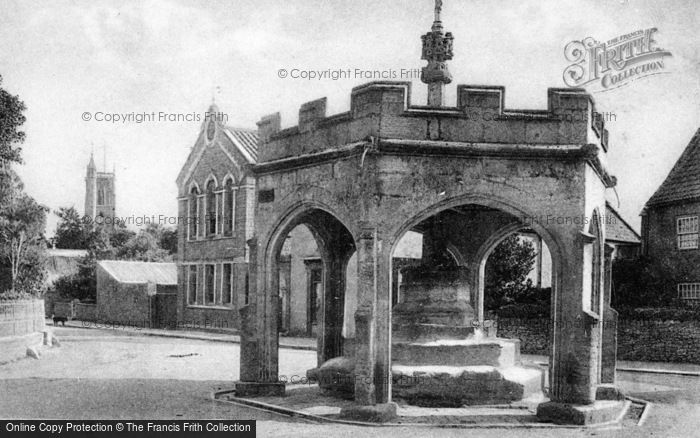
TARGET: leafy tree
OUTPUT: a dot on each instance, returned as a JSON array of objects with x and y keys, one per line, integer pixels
[
  {"x": 144, "y": 246},
  {"x": 105, "y": 243},
  {"x": 165, "y": 236},
  {"x": 506, "y": 273},
  {"x": 11, "y": 118},
  {"x": 642, "y": 282},
  {"x": 22, "y": 244},
  {"x": 168, "y": 240},
  {"x": 71, "y": 231}
]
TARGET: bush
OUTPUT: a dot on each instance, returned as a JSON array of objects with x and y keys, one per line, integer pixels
[{"x": 641, "y": 282}]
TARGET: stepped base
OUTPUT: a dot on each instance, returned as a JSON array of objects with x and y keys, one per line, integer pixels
[
  {"x": 458, "y": 352},
  {"x": 446, "y": 386},
  {"x": 596, "y": 413}
]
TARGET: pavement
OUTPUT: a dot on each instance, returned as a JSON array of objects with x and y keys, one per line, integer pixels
[
  {"x": 295, "y": 343},
  {"x": 119, "y": 374}
]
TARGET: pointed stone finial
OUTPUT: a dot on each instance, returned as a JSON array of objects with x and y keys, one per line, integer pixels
[
  {"x": 437, "y": 48},
  {"x": 438, "y": 11}
]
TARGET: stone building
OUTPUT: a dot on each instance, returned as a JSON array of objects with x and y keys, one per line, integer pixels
[
  {"x": 463, "y": 176},
  {"x": 670, "y": 224},
  {"x": 100, "y": 196},
  {"x": 141, "y": 294},
  {"x": 216, "y": 193}
]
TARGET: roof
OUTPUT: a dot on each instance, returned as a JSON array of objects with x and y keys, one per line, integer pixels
[
  {"x": 235, "y": 142},
  {"x": 141, "y": 272},
  {"x": 683, "y": 182},
  {"x": 617, "y": 229},
  {"x": 247, "y": 139},
  {"x": 70, "y": 253}
]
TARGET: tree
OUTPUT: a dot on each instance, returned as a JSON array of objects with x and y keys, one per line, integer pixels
[
  {"x": 71, "y": 231},
  {"x": 105, "y": 243},
  {"x": 22, "y": 244},
  {"x": 165, "y": 236},
  {"x": 506, "y": 273},
  {"x": 144, "y": 247},
  {"x": 11, "y": 118}
]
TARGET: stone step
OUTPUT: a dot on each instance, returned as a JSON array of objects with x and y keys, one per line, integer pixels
[
  {"x": 429, "y": 332},
  {"x": 491, "y": 352},
  {"x": 446, "y": 386}
]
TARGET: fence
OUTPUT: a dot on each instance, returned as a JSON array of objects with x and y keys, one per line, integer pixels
[{"x": 21, "y": 317}]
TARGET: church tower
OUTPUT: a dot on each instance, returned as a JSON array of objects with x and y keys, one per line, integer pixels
[{"x": 100, "y": 199}]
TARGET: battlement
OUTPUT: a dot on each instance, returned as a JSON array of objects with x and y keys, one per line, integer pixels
[{"x": 384, "y": 110}]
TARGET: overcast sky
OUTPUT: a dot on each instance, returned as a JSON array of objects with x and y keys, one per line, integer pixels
[{"x": 65, "y": 58}]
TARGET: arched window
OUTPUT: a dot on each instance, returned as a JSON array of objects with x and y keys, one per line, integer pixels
[
  {"x": 210, "y": 219},
  {"x": 229, "y": 207},
  {"x": 192, "y": 213},
  {"x": 101, "y": 196}
]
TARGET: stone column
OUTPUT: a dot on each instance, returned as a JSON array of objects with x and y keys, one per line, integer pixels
[
  {"x": 259, "y": 335},
  {"x": 365, "y": 323},
  {"x": 609, "y": 359}
]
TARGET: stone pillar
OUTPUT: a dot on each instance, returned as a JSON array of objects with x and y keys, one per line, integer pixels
[
  {"x": 334, "y": 305},
  {"x": 575, "y": 333},
  {"x": 609, "y": 359},
  {"x": 365, "y": 324},
  {"x": 259, "y": 335}
]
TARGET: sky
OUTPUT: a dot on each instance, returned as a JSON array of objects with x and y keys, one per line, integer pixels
[{"x": 66, "y": 58}]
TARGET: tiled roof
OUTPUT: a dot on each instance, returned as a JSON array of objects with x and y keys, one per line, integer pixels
[
  {"x": 246, "y": 139},
  {"x": 617, "y": 229},
  {"x": 141, "y": 272},
  {"x": 683, "y": 182}
]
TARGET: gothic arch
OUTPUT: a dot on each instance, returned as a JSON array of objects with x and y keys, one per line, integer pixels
[{"x": 336, "y": 244}]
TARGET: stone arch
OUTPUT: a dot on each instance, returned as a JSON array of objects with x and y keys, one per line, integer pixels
[
  {"x": 550, "y": 238},
  {"x": 211, "y": 177},
  {"x": 336, "y": 244},
  {"x": 482, "y": 257}
]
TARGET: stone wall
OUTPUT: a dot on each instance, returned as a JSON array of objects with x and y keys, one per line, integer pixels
[
  {"x": 21, "y": 317},
  {"x": 85, "y": 311},
  {"x": 638, "y": 340}
]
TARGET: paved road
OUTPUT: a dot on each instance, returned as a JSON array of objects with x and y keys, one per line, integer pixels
[{"x": 104, "y": 374}]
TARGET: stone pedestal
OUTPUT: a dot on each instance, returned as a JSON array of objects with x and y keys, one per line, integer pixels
[{"x": 439, "y": 357}]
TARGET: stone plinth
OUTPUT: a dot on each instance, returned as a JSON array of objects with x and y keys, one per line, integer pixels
[
  {"x": 438, "y": 356},
  {"x": 450, "y": 386},
  {"x": 432, "y": 296},
  {"x": 468, "y": 352}
]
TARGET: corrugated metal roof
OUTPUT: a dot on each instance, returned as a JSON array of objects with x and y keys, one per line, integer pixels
[
  {"x": 247, "y": 139},
  {"x": 683, "y": 182},
  {"x": 141, "y": 272},
  {"x": 617, "y": 229}
]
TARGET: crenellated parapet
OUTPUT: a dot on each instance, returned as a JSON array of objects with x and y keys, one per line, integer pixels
[{"x": 384, "y": 110}]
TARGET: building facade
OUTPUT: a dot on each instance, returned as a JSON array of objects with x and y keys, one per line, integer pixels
[
  {"x": 670, "y": 225},
  {"x": 215, "y": 208}
]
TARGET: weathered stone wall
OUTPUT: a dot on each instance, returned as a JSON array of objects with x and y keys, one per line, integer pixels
[
  {"x": 85, "y": 312},
  {"x": 638, "y": 340},
  {"x": 125, "y": 303},
  {"x": 21, "y": 317}
]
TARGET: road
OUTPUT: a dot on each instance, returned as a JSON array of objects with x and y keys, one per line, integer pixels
[{"x": 106, "y": 374}]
